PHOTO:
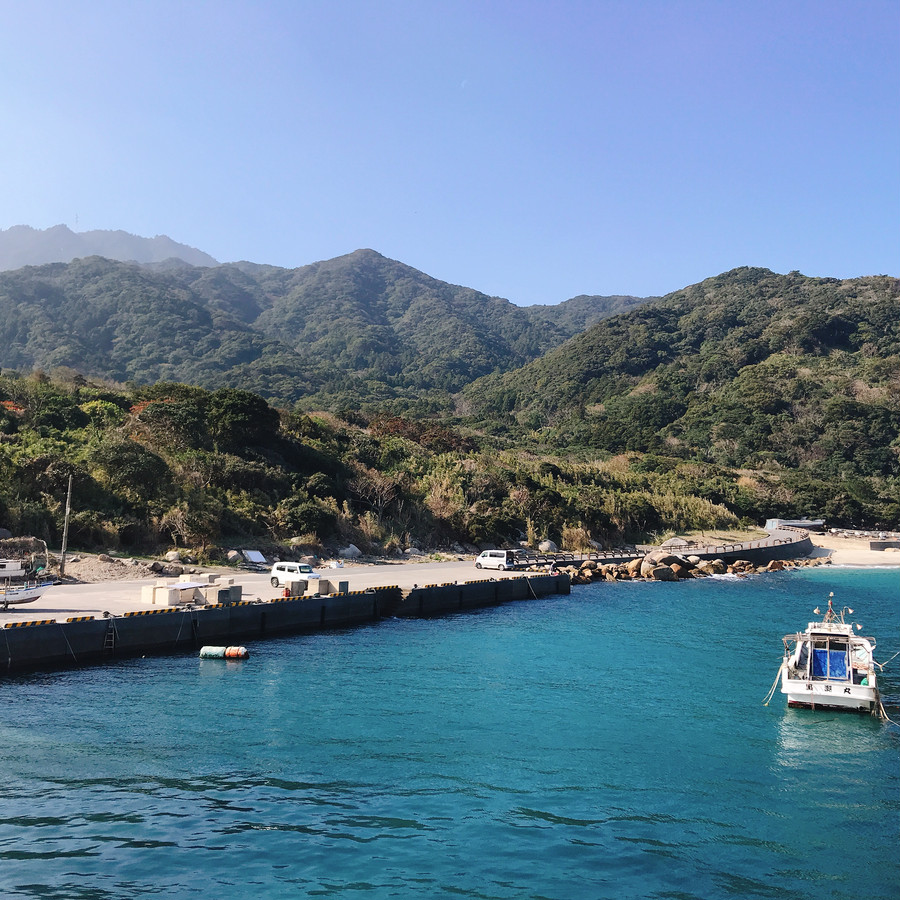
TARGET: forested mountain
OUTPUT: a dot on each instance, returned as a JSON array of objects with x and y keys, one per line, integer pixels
[
  {"x": 22, "y": 245},
  {"x": 357, "y": 330},
  {"x": 748, "y": 395},
  {"x": 747, "y": 369},
  {"x": 119, "y": 321},
  {"x": 578, "y": 314}
]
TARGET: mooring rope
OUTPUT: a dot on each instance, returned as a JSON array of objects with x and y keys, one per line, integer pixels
[
  {"x": 884, "y": 715},
  {"x": 66, "y": 637},
  {"x": 771, "y": 693}
]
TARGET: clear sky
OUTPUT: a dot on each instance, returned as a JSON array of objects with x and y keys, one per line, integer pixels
[{"x": 531, "y": 149}]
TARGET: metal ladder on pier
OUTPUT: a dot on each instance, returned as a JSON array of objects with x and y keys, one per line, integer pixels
[{"x": 109, "y": 642}]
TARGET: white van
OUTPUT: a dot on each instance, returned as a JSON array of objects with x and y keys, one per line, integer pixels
[
  {"x": 285, "y": 572},
  {"x": 498, "y": 559}
]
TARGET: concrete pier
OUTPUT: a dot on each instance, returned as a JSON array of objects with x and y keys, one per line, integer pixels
[
  {"x": 42, "y": 637},
  {"x": 87, "y": 623}
]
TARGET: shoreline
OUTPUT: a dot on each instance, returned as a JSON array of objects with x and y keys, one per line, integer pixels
[{"x": 852, "y": 551}]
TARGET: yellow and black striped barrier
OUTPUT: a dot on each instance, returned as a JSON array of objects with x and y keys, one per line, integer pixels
[
  {"x": 26, "y": 624},
  {"x": 150, "y": 612},
  {"x": 80, "y": 619}
]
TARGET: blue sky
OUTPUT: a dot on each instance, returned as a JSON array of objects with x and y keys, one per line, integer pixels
[{"x": 530, "y": 150}]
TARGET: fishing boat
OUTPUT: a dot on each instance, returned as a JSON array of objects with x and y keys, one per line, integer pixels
[
  {"x": 15, "y": 588},
  {"x": 829, "y": 666},
  {"x": 26, "y": 593}
]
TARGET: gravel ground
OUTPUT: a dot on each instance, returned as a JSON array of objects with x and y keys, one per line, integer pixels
[{"x": 84, "y": 568}]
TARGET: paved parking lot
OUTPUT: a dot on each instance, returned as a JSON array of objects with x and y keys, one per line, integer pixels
[{"x": 118, "y": 597}]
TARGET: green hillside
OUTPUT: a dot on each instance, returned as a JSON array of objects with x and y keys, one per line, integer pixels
[
  {"x": 748, "y": 395},
  {"x": 360, "y": 330},
  {"x": 578, "y": 314},
  {"x": 751, "y": 369},
  {"x": 172, "y": 464}
]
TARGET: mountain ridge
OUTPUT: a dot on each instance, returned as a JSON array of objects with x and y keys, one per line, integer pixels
[
  {"x": 747, "y": 368},
  {"x": 360, "y": 328},
  {"x": 22, "y": 245}
]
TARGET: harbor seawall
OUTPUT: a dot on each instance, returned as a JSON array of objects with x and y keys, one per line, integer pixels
[
  {"x": 784, "y": 543},
  {"x": 81, "y": 640}
]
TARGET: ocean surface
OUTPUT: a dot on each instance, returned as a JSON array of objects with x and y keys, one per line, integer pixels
[{"x": 608, "y": 744}]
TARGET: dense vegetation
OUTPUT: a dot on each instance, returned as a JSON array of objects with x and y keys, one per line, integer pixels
[
  {"x": 780, "y": 374},
  {"x": 360, "y": 331},
  {"x": 172, "y": 464},
  {"x": 746, "y": 396}
]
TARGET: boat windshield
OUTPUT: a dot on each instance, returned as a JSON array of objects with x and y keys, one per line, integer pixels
[{"x": 829, "y": 659}]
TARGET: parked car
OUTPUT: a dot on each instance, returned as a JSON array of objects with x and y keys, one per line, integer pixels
[
  {"x": 499, "y": 559},
  {"x": 285, "y": 572}
]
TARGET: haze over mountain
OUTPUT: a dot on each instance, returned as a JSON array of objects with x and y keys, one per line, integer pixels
[{"x": 22, "y": 245}]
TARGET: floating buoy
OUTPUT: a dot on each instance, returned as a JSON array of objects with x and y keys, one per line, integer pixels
[{"x": 224, "y": 653}]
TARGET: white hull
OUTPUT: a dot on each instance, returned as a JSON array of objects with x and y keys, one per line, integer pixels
[
  {"x": 12, "y": 596},
  {"x": 829, "y": 695}
]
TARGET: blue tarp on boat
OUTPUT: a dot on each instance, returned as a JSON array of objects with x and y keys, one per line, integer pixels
[{"x": 829, "y": 664}]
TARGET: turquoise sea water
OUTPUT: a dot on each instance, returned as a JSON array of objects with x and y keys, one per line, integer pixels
[{"x": 608, "y": 744}]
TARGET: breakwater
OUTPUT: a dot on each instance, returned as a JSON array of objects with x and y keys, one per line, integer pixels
[{"x": 80, "y": 640}]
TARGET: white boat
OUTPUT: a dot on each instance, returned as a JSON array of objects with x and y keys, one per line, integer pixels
[
  {"x": 829, "y": 666},
  {"x": 12, "y": 592},
  {"x": 22, "y": 593}
]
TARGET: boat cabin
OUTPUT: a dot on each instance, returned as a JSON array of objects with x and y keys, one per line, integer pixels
[{"x": 11, "y": 568}]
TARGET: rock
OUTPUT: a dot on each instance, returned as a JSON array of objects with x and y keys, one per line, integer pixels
[
  {"x": 664, "y": 558},
  {"x": 663, "y": 573},
  {"x": 171, "y": 571},
  {"x": 233, "y": 556},
  {"x": 548, "y": 547},
  {"x": 633, "y": 567},
  {"x": 680, "y": 570},
  {"x": 775, "y": 565},
  {"x": 711, "y": 567},
  {"x": 413, "y": 551},
  {"x": 155, "y": 566},
  {"x": 173, "y": 556},
  {"x": 693, "y": 560},
  {"x": 350, "y": 552},
  {"x": 104, "y": 557}
]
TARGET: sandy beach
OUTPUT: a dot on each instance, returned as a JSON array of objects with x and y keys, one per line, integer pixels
[{"x": 853, "y": 551}]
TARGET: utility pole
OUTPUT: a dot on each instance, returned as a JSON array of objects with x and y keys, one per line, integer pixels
[{"x": 65, "y": 540}]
